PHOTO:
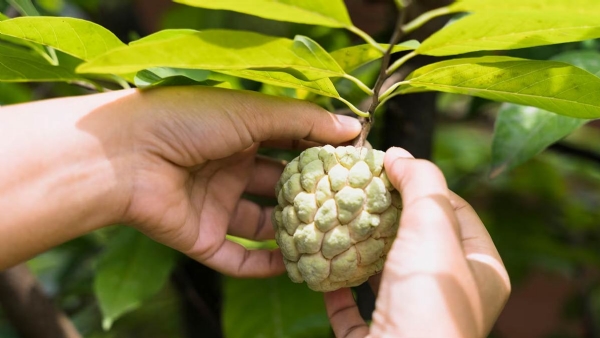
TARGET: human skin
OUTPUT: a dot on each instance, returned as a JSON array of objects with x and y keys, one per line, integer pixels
[
  {"x": 443, "y": 276},
  {"x": 171, "y": 162}
]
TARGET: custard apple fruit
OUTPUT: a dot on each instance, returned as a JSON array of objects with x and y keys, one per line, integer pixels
[{"x": 337, "y": 216}]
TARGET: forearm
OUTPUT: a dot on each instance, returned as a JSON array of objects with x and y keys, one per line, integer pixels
[{"x": 61, "y": 169}]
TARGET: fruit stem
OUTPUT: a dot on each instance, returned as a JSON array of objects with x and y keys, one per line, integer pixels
[{"x": 368, "y": 121}]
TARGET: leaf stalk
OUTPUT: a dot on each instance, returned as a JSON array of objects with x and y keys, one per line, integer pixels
[
  {"x": 425, "y": 17},
  {"x": 366, "y": 37},
  {"x": 359, "y": 83}
]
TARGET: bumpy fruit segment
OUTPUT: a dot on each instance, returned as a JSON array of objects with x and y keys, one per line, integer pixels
[{"x": 336, "y": 217}]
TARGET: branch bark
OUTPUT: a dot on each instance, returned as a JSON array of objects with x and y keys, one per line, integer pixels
[{"x": 29, "y": 309}]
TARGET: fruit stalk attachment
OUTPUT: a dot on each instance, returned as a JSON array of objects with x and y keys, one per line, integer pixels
[{"x": 367, "y": 122}]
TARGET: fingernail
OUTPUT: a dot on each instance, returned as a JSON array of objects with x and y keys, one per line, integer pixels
[{"x": 349, "y": 122}]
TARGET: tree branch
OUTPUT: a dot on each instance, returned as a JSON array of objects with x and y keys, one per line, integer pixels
[
  {"x": 367, "y": 122},
  {"x": 29, "y": 309}
]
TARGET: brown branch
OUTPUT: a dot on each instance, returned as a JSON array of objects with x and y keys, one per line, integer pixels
[
  {"x": 367, "y": 122},
  {"x": 29, "y": 309}
]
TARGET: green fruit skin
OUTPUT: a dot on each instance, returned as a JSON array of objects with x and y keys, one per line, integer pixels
[{"x": 337, "y": 216}]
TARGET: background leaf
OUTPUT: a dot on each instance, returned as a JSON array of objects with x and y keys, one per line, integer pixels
[
  {"x": 132, "y": 269},
  {"x": 588, "y": 7},
  {"x": 554, "y": 86},
  {"x": 3, "y": 17},
  {"x": 220, "y": 50},
  {"x": 330, "y": 13},
  {"x": 21, "y": 65},
  {"x": 280, "y": 308},
  {"x": 350, "y": 58},
  {"x": 79, "y": 38},
  {"x": 483, "y": 31},
  {"x": 25, "y": 7},
  {"x": 522, "y": 132}
]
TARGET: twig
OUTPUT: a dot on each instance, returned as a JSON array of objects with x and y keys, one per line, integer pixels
[
  {"x": 367, "y": 122},
  {"x": 29, "y": 309}
]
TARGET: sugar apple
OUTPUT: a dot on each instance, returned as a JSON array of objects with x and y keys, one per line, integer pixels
[{"x": 336, "y": 217}]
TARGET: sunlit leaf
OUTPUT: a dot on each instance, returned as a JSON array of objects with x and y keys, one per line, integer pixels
[
  {"x": 322, "y": 86},
  {"x": 279, "y": 308},
  {"x": 21, "y": 65},
  {"x": 3, "y": 17},
  {"x": 132, "y": 269},
  {"x": 164, "y": 34},
  {"x": 80, "y": 38},
  {"x": 350, "y": 58},
  {"x": 587, "y": 7},
  {"x": 220, "y": 50},
  {"x": 554, "y": 86},
  {"x": 522, "y": 132},
  {"x": 331, "y": 13},
  {"x": 486, "y": 31}
]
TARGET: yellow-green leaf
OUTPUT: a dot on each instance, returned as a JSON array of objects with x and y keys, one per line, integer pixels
[
  {"x": 80, "y": 38},
  {"x": 322, "y": 86},
  {"x": 220, "y": 50},
  {"x": 164, "y": 34},
  {"x": 488, "y": 31},
  {"x": 350, "y": 58},
  {"x": 554, "y": 86},
  {"x": 330, "y": 13},
  {"x": 587, "y": 7}
]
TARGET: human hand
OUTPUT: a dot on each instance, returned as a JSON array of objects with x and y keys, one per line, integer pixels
[
  {"x": 443, "y": 276},
  {"x": 195, "y": 154}
]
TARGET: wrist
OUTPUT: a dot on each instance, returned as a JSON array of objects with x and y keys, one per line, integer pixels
[{"x": 68, "y": 172}]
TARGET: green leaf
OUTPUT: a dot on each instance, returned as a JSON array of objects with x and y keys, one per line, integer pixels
[
  {"x": 132, "y": 269},
  {"x": 3, "y": 17},
  {"x": 25, "y": 7},
  {"x": 279, "y": 308},
  {"x": 220, "y": 50},
  {"x": 160, "y": 76},
  {"x": 587, "y": 7},
  {"x": 485, "y": 31},
  {"x": 155, "y": 76},
  {"x": 522, "y": 132},
  {"x": 79, "y": 38},
  {"x": 350, "y": 58},
  {"x": 21, "y": 65},
  {"x": 554, "y": 86},
  {"x": 330, "y": 13},
  {"x": 322, "y": 86},
  {"x": 11, "y": 93}
]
